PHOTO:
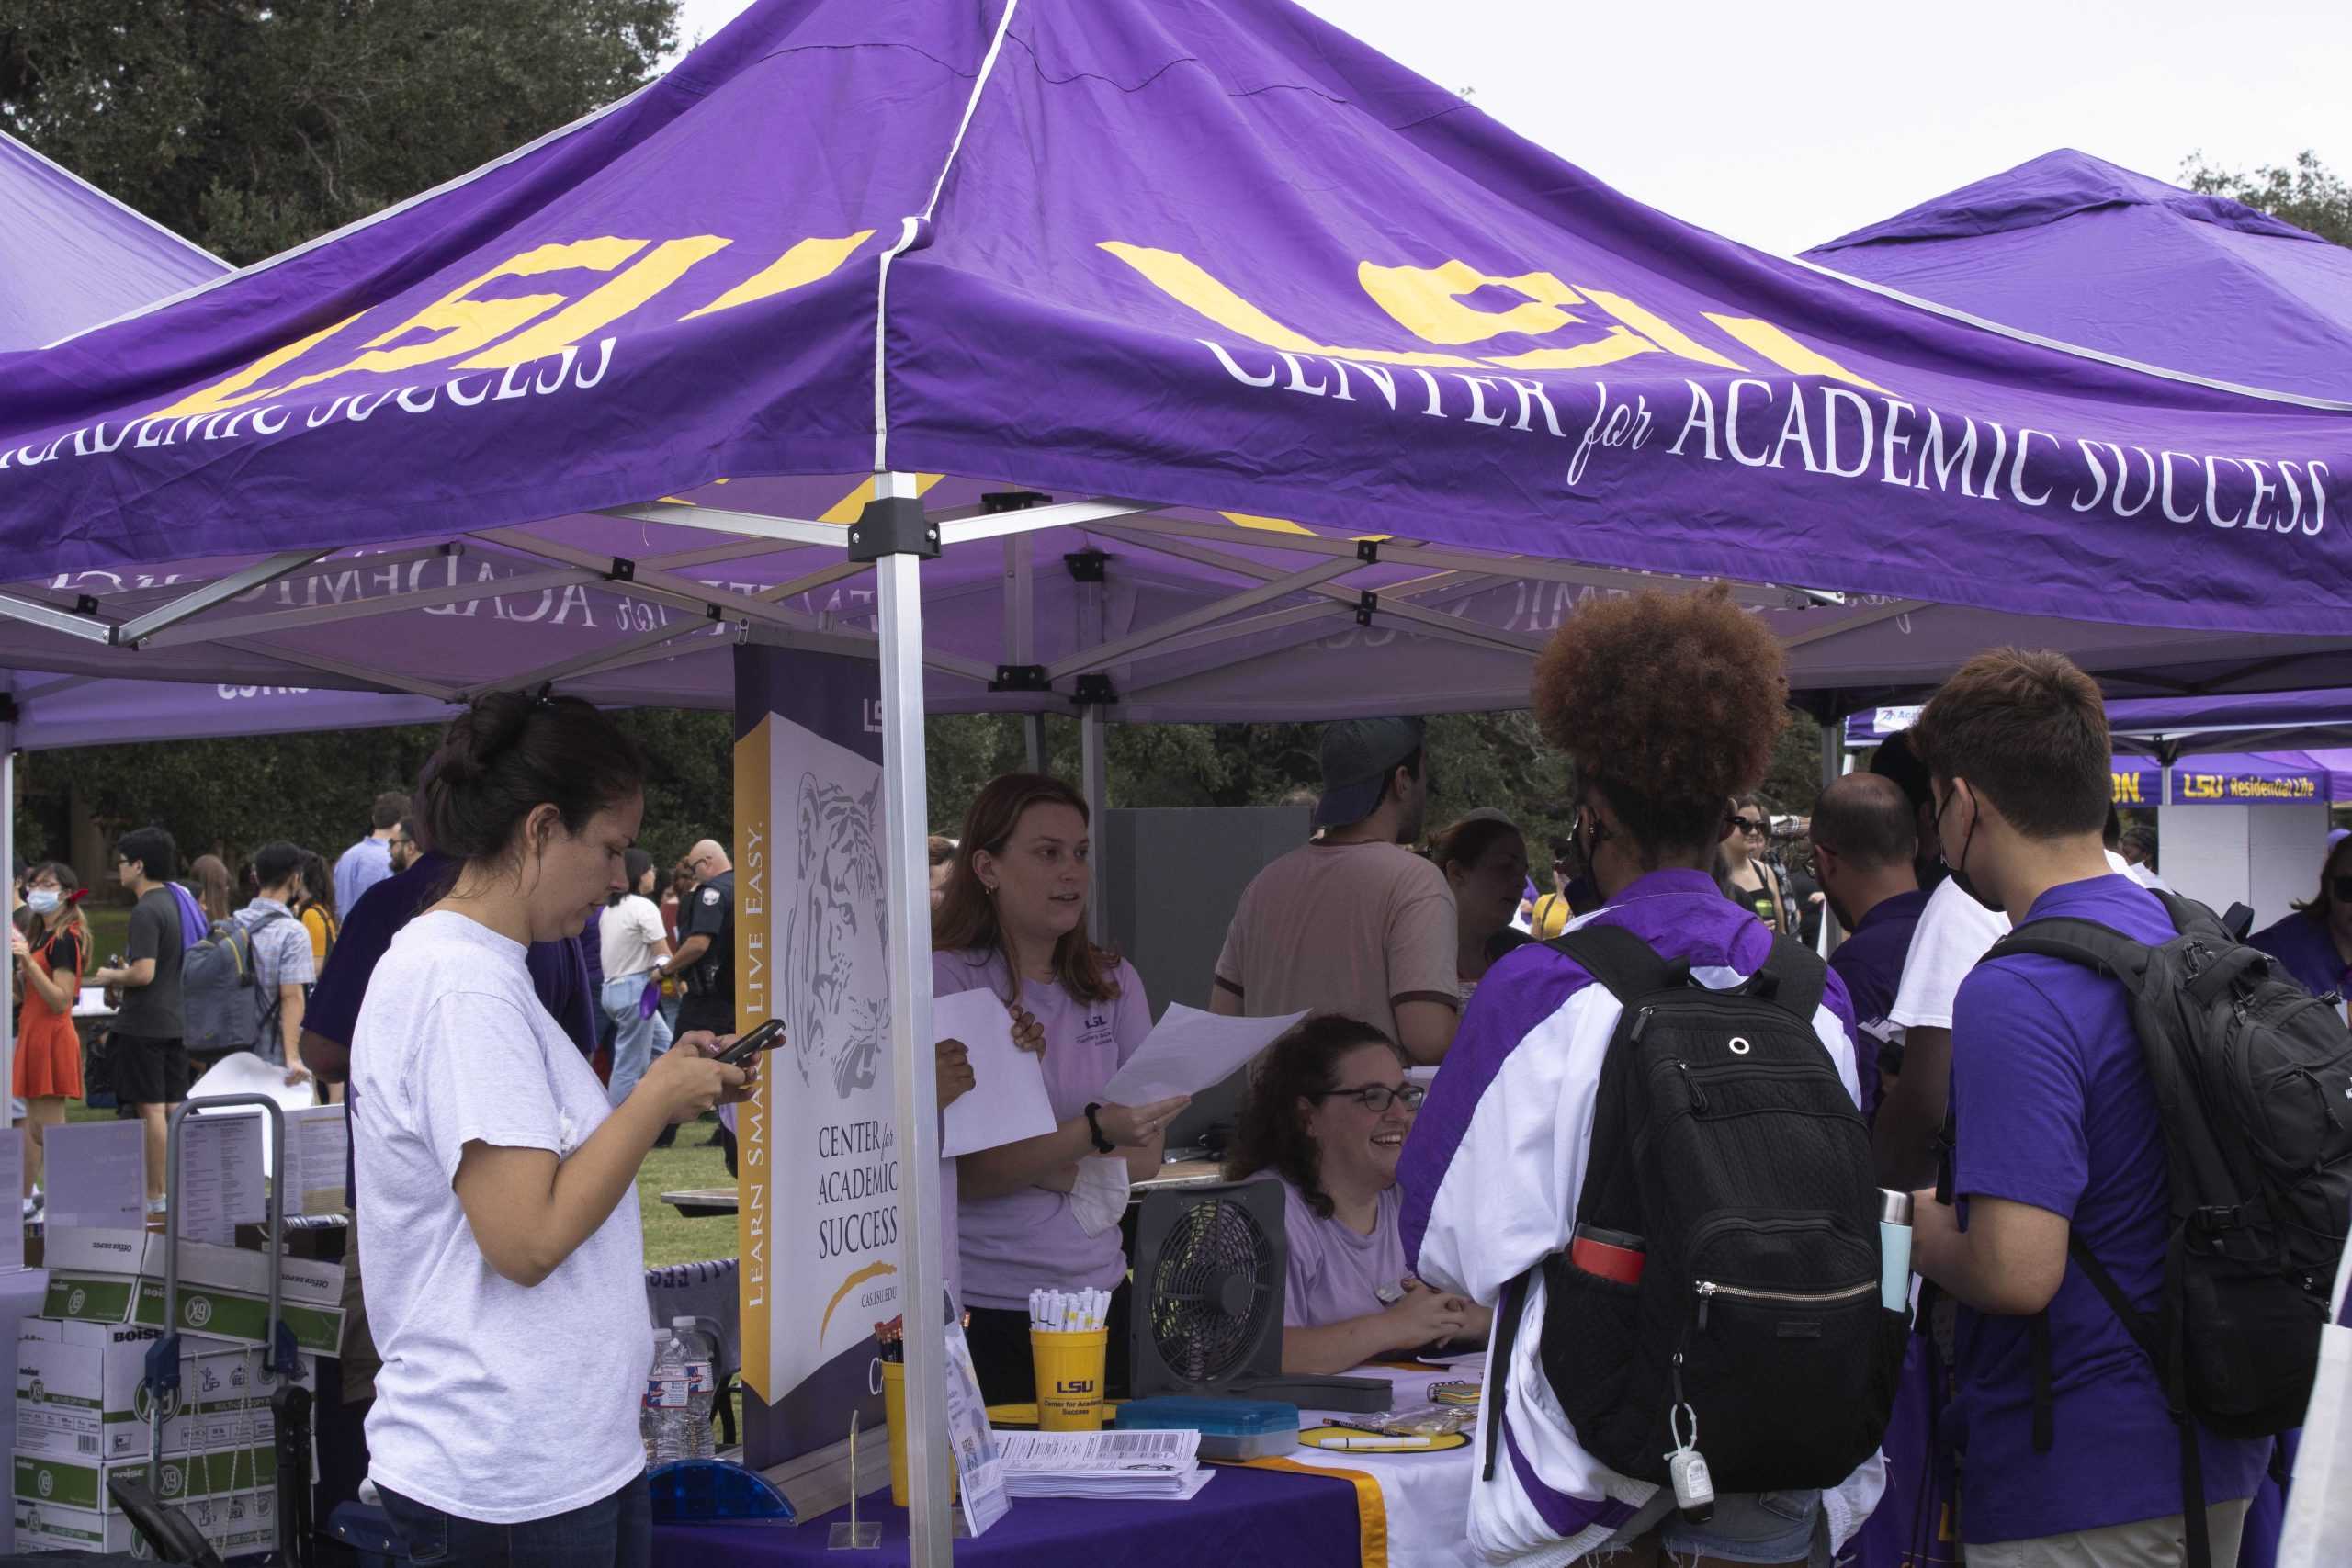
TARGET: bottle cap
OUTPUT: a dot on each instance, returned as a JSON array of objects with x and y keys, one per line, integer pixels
[
  {"x": 1894, "y": 1208},
  {"x": 689, "y": 1323}
]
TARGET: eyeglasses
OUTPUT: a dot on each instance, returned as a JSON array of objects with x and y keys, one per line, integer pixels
[
  {"x": 1378, "y": 1097},
  {"x": 1747, "y": 824}
]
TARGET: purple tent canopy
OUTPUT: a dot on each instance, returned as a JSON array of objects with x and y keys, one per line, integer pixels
[
  {"x": 2170, "y": 727},
  {"x": 1216, "y": 256},
  {"x": 71, "y": 257},
  {"x": 2080, "y": 250},
  {"x": 2260, "y": 778}
]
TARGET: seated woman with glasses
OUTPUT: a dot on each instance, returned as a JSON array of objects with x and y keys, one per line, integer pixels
[{"x": 1326, "y": 1116}]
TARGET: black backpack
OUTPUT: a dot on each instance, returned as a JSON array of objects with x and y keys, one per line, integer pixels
[
  {"x": 1723, "y": 1139},
  {"x": 2253, "y": 1078}
]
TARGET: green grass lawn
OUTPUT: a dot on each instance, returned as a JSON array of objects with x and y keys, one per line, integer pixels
[
  {"x": 668, "y": 1238},
  {"x": 109, "y": 931}
]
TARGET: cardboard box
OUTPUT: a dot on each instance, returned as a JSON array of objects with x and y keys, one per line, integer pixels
[
  {"x": 80, "y": 1392},
  {"x": 117, "y": 1276},
  {"x": 231, "y": 1497}
]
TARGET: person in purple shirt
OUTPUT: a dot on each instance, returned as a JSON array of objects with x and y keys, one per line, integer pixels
[
  {"x": 1325, "y": 1119},
  {"x": 1863, "y": 842},
  {"x": 2058, "y": 1141},
  {"x": 2315, "y": 943}
]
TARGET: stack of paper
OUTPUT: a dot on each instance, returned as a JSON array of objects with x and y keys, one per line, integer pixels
[{"x": 1163, "y": 1465}]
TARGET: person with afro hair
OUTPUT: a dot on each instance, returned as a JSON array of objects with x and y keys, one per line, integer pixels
[{"x": 1669, "y": 707}]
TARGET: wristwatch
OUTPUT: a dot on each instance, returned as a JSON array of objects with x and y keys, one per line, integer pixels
[{"x": 1102, "y": 1144}]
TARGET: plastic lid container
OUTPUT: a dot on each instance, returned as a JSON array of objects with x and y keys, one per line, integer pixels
[{"x": 1229, "y": 1429}]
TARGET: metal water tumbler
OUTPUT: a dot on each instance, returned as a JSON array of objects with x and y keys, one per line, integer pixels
[{"x": 1895, "y": 1249}]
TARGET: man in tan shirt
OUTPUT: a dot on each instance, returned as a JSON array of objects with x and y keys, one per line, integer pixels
[{"x": 1353, "y": 923}]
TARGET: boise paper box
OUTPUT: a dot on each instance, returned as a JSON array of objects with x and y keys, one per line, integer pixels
[
  {"x": 117, "y": 1276},
  {"x": 231, "y": 1497},
  {"x": 80, "y": 1393}
]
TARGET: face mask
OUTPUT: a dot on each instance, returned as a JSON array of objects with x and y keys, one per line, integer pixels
[
  {"x": 1959, "y": 868},
  {"x": 43, "y": 900},
  {"x": 1099, "y": 1200}
]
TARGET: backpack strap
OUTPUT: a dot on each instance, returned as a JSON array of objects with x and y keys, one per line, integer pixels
[
  {"x": 1507, "y": 1312},
  {"x": 2169, "y": 1359},
  {"x": 1620, "y": 961},
  {"x": 2085, "y": 943},
  {"x": 1793, "y": 977}
]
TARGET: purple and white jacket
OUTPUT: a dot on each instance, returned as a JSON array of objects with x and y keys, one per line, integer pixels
[{"x": 1491, "y": 1174}]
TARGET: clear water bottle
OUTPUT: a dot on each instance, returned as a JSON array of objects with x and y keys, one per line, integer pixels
[{"x": 679, "y": 1395}]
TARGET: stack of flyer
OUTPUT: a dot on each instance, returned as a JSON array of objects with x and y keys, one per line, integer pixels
[{"x": 1163, "y": 1465}]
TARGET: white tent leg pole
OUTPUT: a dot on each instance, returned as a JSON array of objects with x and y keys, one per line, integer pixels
[
  {"x": 914, "y": 1093},
  {"x": 1834, "y": 761},
  {"x": 1094, "y": 764},
  {"x": 1021, "y": 636},
  {"x": 7, "y": 971}
]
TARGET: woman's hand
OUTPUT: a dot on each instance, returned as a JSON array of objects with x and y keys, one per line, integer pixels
[
  {"x": 685, "y": 1080},
  {"x": 1133, "y": 1126},
  {"x": 1425, "y": 1317},
  {"x": 953, "y": 1063},
  {"x": 1027, "y": 1033},
  {"x": 17, "y": 946}
]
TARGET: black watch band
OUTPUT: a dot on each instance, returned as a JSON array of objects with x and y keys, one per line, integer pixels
[{"x": 1095, "y": 1125}]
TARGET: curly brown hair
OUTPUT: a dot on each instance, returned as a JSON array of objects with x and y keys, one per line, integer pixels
[
  {"x": 1302, "y": 1064},
  {"x": 1670, "y": 703}
]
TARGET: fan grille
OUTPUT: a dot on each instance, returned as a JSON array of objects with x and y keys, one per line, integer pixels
[{"x": 1216, "y": 1253}]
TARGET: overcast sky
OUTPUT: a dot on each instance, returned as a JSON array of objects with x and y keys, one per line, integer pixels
[{"x": 1785, "y": 124}]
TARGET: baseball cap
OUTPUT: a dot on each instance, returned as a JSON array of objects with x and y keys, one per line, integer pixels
[{"x": 1358, "y": 754}]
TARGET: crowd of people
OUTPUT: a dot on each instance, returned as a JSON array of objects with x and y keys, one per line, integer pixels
[
  {"x": 2021, "y": 1422},
  {"x": 1452, "y": 1147}
]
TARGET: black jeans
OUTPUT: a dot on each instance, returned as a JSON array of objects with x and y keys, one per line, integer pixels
[
  {"x": 613, "y": 1532},
  {"x": 1000, "y": 1342}
]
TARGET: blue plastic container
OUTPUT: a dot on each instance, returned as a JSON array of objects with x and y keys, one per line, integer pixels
[{"x": 1229, "y": 1429}]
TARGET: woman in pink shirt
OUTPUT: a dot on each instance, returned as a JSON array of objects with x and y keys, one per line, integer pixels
[{"x": 1326, "y": 1117}]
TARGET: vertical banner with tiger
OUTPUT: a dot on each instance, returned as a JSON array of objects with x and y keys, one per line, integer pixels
[{"x": 818, "y": 1147}]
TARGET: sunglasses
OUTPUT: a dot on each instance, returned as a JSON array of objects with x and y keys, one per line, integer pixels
[
  {"x": 1747, "y": 824},
  {"x": 1377, "y": 1098}
]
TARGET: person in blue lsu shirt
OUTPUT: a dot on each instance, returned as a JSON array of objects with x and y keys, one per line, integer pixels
[{"x": 2057, "y": 1137}]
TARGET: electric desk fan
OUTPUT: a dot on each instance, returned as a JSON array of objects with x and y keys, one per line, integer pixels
[{"x": 1208, "y": 1292}]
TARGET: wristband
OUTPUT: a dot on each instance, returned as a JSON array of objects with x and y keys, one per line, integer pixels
[{"x": 1102, "y": 1144}]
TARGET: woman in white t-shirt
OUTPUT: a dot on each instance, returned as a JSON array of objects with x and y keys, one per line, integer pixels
[
  {"x": 632, "y": 941},
  {"x": 505, "y": 1270}
]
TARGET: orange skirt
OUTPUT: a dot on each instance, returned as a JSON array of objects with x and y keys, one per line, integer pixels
[{"x": 48, "y": 1054}]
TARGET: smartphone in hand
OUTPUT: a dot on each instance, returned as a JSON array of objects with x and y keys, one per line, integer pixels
[{"x": 766, "y": 1037}]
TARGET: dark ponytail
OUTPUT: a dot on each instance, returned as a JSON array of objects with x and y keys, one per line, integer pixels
[
  {"x": 635, "y": 864},
  {"x": 511, "y": 752}
]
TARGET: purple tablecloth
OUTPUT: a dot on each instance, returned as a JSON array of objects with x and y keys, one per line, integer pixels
[{"x": 1243, "y": 1516}]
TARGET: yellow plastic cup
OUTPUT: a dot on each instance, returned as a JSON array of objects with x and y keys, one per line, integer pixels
[
  {"x": 894, "y": 1414},
  {"x": 1069, "y": 1378}
]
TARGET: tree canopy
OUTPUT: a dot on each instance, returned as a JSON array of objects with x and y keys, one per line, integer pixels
[
  {"x": 2305, "y": 193},
  {"x": 250, "y": 125}
]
